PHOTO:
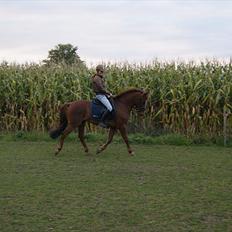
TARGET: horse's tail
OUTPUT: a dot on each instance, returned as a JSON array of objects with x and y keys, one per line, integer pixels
[{"x": 55, "y": 133}]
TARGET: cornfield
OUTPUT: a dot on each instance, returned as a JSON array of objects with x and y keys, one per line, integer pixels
[{"x": 184, "y": 98}]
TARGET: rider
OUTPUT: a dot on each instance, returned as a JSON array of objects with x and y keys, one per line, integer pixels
[{"x": 98, "y": 84}]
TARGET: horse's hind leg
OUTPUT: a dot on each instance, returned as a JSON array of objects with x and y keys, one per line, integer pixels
[
  {"x": 110, "y": 138},
  {"x": 123, "y": 133},
  {"x": 81, "y": 131},
  {"x": 66, "y": 132}
]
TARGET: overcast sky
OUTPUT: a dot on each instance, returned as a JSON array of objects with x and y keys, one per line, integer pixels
[{"x": 116, "y": 30}]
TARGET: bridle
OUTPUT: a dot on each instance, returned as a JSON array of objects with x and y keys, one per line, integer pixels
[{"x": 140, "y": 108}]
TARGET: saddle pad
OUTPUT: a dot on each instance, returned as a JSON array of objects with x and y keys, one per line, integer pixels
[{"x": 97, "y": 109}]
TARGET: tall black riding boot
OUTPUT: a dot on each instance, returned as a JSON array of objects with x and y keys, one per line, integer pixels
[{"x": 103, "y": 119}]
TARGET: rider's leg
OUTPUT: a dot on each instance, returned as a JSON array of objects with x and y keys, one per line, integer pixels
[{"x": 103, "y": 99}]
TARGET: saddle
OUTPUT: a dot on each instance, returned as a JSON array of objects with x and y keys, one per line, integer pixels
[{"x": 98, "y": 109}]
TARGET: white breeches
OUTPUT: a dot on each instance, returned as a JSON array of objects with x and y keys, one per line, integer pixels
[{"x": 104, "y": 100}]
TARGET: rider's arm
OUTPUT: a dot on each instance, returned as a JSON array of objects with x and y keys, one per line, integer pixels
[{"x": 100, "y": 85}]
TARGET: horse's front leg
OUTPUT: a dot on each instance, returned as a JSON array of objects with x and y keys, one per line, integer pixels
[
  {"x": 123, "y": 133},
  {"x": 110, "y": 138}
]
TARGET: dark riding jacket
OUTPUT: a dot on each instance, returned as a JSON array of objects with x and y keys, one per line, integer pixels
[{"x": 98, "y": 84}]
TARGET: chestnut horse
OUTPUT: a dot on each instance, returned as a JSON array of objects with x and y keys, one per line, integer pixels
[{"x": 74, "y": 115}]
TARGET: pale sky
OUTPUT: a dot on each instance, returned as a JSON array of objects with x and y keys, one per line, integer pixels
[{"x": 136, "y": 31}]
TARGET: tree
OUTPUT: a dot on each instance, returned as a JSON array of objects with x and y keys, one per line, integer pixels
[{"x": 63, "y": 54}]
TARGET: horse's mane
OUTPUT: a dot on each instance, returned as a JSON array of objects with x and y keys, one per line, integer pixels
[{"x": 128, "y": 91}]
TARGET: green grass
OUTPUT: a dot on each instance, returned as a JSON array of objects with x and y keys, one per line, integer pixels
[
  {"x": 135, "y": 138},
  {"x": 162, "y": 188}
]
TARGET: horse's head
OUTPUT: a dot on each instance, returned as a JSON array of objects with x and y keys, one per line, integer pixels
[
  {"x": 140, "y": 102},
  {"x": 134, "y": 98}
]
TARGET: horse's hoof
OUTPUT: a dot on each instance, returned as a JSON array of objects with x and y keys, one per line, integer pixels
[
  {"x": 99, "y": 150},
  {"x": 57, "y": 151},
  {"x": 132, "y": 153}
]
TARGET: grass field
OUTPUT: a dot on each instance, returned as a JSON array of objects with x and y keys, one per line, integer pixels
[{"x": 162, "y": 188}]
